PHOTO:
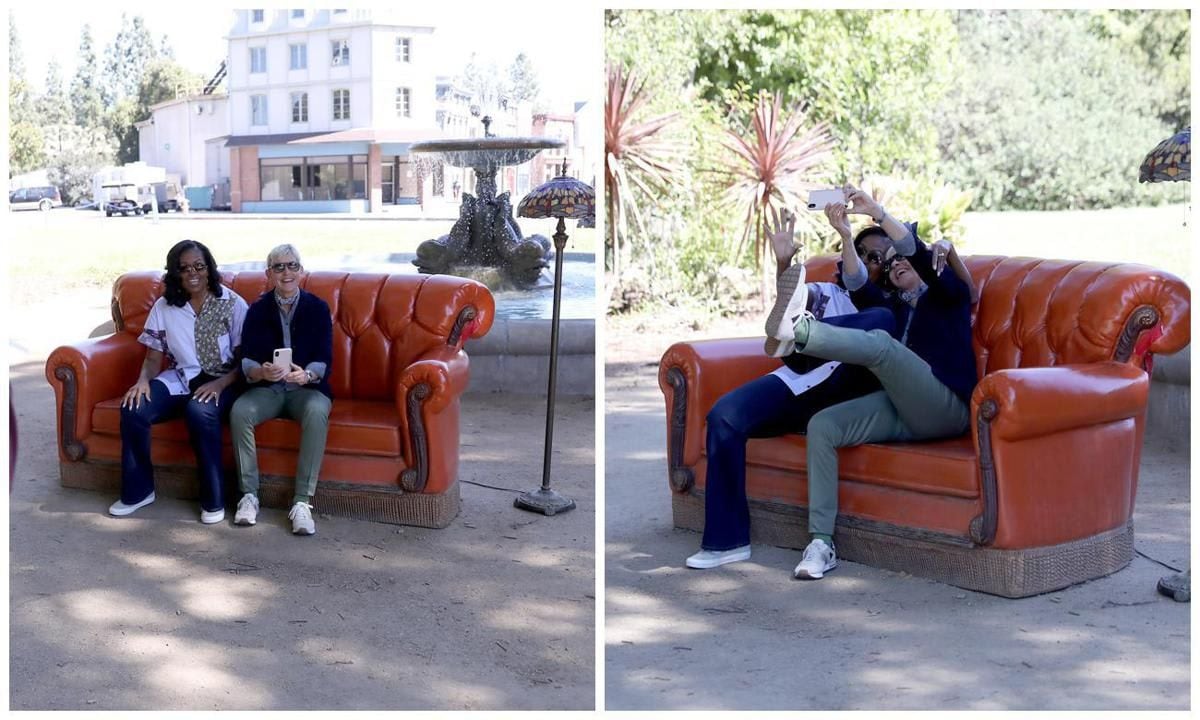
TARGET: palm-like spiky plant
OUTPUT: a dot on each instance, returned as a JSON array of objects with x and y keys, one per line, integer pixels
[
  {"x": 633, "y": 155},
  {"x": 768, "y": 171}
]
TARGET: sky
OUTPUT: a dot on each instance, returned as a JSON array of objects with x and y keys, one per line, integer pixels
[{"x": 196, "y": 31}]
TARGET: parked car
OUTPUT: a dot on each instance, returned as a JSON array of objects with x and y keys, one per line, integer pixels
[{"x": 35, "y": 198}]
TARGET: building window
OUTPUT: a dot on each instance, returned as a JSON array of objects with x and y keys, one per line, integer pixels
[
  {"x": 299, "y": 56},
  {"x": 341, "y": 52},
  {"x": 258, "y": 109},
  {"x": 403, "y": 102},
  {"x": 341, "y": 104},
  {"x": 258, "y": 59},
  {"x": 336, "y": 177},
  {"x": 297, "y": 14},
  {"x": 339, "y": 11},
  {"x": 299, "y": 107},
  {"x": 256, "y": 16},
  {"x": 403, "y": 49}
]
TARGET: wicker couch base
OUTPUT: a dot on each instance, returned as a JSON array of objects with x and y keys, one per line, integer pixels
[
  {"x": 949, "y": 559},
  {"x": 361, "y": 502}
]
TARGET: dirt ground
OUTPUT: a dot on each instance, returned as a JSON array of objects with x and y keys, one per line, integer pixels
[
  {"x": 749, "y": 637},
  {"x": 157, "y": 611}
]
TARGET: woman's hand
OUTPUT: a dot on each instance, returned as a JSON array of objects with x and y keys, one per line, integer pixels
[
  {"x": 298, "y": 375},
  {"x": 781, "y": 235},
  {"x": 862, "y": 203},
  {"x": 272, "y": 372},
  {"x": 210, "y": 390},
  {"x": 133, "y": 396},
  {"x": 836, "y": 214},
  {"x": 940, "y": 251}
]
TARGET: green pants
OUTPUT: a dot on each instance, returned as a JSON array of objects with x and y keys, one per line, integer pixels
[
  {"x": 257, "y": 405},
  {"x": 913, "y": 405}
]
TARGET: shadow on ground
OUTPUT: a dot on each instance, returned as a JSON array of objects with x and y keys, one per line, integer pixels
[
  {"x": 748, "y": 636},
  {"x": 157, "y": 611}
]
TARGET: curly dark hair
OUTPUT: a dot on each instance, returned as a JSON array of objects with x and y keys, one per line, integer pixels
[
  {"x": 173, "y": 279},
  {"x": 865, "y": 233}
]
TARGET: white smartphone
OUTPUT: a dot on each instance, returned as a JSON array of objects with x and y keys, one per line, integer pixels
[
  {"x": 818, "y": 199},
  {"x": 283, "y": 358}
]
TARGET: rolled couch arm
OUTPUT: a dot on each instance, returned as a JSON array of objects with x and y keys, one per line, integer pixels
[
  {"x": 427, "y": 399},
  {"x": 693, "y": 376},
  {"x": 1058, "y": 451},
  {"x": 85, "y": 374}
]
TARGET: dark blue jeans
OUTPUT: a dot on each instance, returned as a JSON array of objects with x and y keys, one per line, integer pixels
[
  {"x": 204, "y": 427},
  {"x": 766, "y": 407}
]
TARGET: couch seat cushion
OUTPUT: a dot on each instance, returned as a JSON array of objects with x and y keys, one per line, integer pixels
[
  {"x": 941, "y": 467},
  {"x": 356, "y": 427}
]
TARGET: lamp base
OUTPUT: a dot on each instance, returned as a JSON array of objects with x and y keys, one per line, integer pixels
[{"x": 545, "y": 501}]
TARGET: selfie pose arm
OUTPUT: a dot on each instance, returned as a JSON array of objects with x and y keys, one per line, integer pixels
[{"x": 864, "y": 204}]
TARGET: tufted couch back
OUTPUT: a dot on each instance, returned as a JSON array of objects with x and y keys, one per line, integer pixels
[
  {"x": 381, "y": 323},
  {"x": 1036, "y": 313}
]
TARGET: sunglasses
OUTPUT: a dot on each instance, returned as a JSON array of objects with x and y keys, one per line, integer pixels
[
  {"x": 196, "y": 267},
  {"x": 280, "y": 267},
  {"x": 891, "y": 263}
]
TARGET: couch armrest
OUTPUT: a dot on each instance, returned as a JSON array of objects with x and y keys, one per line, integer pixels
[
  {"x": 1058, "y": 452},
  {"x": 427, "y": 398},
  {"x": 85, "y": 374},
  {"x": 1028, "y": 402},
  {"x": 693, "y": 376}
]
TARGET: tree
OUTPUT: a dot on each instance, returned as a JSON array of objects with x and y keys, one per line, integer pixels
[
  {"x": 119, "y": 123},
  {"x": 1048, "y": 115},
  {"x": 484, "y": 83},
  {"x": 86, "y": 99},
  {"x": 25, "y": 141},
  {"x": 125, "y": 60},
  {"x": 874, "y": 76},
  {"x": 72, "y": 170},
  {"x": 53, "y": 110},
  {"x": 522, "y": 80}
]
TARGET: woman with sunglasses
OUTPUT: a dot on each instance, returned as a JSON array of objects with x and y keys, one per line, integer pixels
[
  {"x": 284, "y": 317},
  {"x": 926, "y": 369},
  {"x": 197, "y": 326}
]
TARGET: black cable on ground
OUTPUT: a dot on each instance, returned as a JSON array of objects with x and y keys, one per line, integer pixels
[
  {"x": 490, "y": 487},
  {"x": 1160, "y": 562}
]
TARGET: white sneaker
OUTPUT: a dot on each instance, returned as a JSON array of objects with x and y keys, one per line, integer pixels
[
  {"x": 302, "y": 522},
  {"x": 247, "y": 510},
  {"x": 791, "y": 300},
  {"x": 706, "y": 559},
  {"x": 210, "y": 517},
  {"x": 819, "y": 558},
  {"x": 119, "y": 508}
]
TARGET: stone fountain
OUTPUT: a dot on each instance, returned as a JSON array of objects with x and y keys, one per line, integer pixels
[{"x": 486, "y": 234}]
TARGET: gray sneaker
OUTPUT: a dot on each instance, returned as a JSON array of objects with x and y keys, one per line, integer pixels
[
  {"x": 247, "y": 510},
  {"x": 302, "y": 522},
  {"x": 791, "y": 304},
  {"x": 819, "y": 558}
]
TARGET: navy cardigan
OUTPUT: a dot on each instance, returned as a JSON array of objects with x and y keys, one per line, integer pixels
[
  {"x": 311, "y": 328},
  {"x": 940, "y": 332}
]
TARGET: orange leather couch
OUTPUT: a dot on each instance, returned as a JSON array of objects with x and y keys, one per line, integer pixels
[
  {"x": 1038, "y": 496},
  {"x": 397, "y": 373}
]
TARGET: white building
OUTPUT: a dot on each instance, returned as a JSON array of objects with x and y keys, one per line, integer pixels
[
  {"x": 323, "y": 105},
  {"x": 187, "y": 137},
  {"x": 321, "y": 111}
]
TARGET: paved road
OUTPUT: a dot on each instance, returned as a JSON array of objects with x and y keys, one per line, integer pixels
[{"x": 747, "y": 636}]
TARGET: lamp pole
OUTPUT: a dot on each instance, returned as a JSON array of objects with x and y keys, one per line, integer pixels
[{"x": 545, "y": 500}]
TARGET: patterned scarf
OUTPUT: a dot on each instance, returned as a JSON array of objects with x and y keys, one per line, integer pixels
[{"x": 214, "y": 320}]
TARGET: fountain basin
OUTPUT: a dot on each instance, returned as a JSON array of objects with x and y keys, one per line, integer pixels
[{"x": 486, "y": 152}]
